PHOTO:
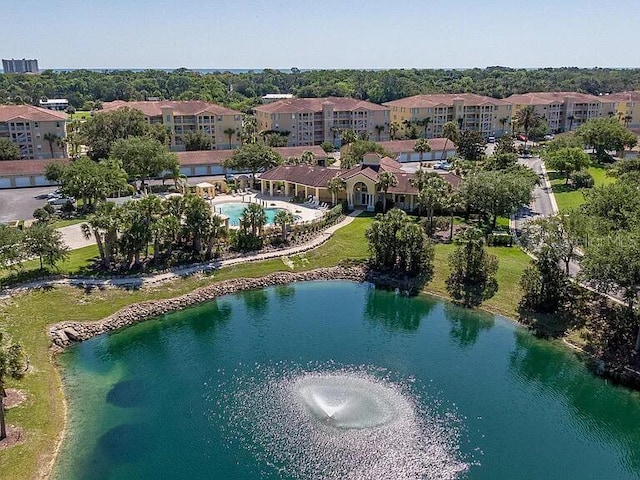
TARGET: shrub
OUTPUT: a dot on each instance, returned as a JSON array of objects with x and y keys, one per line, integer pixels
[
  {"x": 327, "y": 146},
  {"x": 581, "y": 179},
  {"x": 500, "y": 240}
]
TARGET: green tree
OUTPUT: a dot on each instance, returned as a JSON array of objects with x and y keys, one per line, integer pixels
[
  {"x": 254, "y": 158},
  {"x": 566, "y": 161},
  {"x": 425, "y": 124},
  {"x": 472, "y": 278},
  {"x": 394, "y": 127},
  {"x": 358, "y": 149},
  {"x": 379, "y": 130},
  {"x": 606, "y": 134},
  {"x": 103, "y": 225},
  {"x": 9, "y": 150},
  {"x": 143, "y": 158},
  {"x": 422, "y": 146},
  {"x": 249, "y": 130},
  {"x": 13, "y": 364},
  {"x": 253, "y": 217},
  {"x": 544, "y": 284},
  {"x": 500, "y": 161},
  {"x": 197, "y": 221},
  {"x": 43, "y": 241},
  {"x": 335, "y": 186},
  {"x": 613, "y": 207},
  {"x": 283, "y": 218},
  {"x": 230, "y": 132},
  {"x": 558, "y": 233},
  {"x": 197, "y": 140},
  {"x": 450, "y": 131},
  {"x": 563, "y": 140},
  {"x": 348, "y": 137},
  {"x": 505, "y": 145},
  {"x": 386, "y": 180},
  {"x": 432, "y": 195},
  {"x": 527, "y": 120},
  {"x": 11, "y": 247},
  {"x": 275, "y": 139},
  {"x": 53, "y": 171},
  {"x": 103, "y": 129},
  {"x": 52, "y": 139},
  {"x": 471, "y": 145}
]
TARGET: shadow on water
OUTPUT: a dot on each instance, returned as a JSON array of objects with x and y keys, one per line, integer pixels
[
  {"x": 215, "y": 313},
  {"x": 466, "y": 324},
  {"x": 127, "y": 394},
  {"x": 256, "y": 301},
  {"x": 396, "y": 311},
  {"x": 592, "y": 399}
]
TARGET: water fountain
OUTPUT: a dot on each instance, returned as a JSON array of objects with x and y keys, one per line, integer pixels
[{"x": 340, "y": 423}]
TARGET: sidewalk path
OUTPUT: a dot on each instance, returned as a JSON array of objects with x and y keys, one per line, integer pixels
[
  {"x": 138, "y": 281},
  {"x": 74, "y": 238}
]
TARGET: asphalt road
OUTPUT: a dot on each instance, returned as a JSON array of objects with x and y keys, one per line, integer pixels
[
  {"x": 542, "y": 205},
  {"x": 19, "y": 203}
]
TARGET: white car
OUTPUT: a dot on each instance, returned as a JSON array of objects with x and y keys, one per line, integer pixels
[{"x": 61, "y": 200}]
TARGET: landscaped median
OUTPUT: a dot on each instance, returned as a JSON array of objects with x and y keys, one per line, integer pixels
[{"x": 27, "y": 317}]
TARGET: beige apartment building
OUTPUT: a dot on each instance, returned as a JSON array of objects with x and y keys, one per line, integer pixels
[
  {"x": 489, "y": 116},
  {"x": 311, "y": 121},
  {"x": 564, "y": 111},
  {"x": 38, "y": 132},
  {"x": 180, "y": 117},
  {"x": 627, "y": 108}
]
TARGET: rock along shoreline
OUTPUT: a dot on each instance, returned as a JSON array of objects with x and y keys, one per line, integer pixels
[{"x": 64, "y": 334}]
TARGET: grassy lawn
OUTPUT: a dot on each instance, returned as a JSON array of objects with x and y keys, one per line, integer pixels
[
  {"x": 67, "y": 222},
  {"x": 569, "y": 199},
  {"x": 26, "y": 316},
  {"x": 80, "y": 115}
]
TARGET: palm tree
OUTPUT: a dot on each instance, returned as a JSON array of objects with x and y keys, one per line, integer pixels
[
  {"x": 51, "y": 138},
  {"x": 379, "y": 130},
  {"x": 197, "y": 217},
  {"x": 424, "y": 123},
  {"x": 308, "y": 158},
  {"x": 335, "y": 186},
  {"x": 215, "y": 232},
  {"x": 254, "y": 217},
  {"x": 422, "y": 146},
  {"x": 283, "y": 218},
  {"x": 386, "y": 180},
  {"x": 528, "y": 119},
  {"x": 503, "y": 122},
  {"x": 432, "y": 194},
  {"x": 348, "y": 137},
  {"x": 12, "y": 365},
  {"x": 393, "y": 130},
  {"x": 571, "y": 119},
  {"x": 450, "y": 131},
  {"x": 103, "y": 224},
  {"x": 627, "y": 119},
  {"x": 453, "y": 201},
  {"x": 230, "y": 132}
]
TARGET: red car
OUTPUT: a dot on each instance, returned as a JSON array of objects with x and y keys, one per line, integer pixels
[{"x": 522, "y": 137}]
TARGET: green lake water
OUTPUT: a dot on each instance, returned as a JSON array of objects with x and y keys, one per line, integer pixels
[{"x": 215, "y": 392}]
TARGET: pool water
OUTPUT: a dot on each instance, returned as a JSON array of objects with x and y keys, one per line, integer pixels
[
  {"x": 234, "y": 211},
  {"x": 230, "y": 390}
]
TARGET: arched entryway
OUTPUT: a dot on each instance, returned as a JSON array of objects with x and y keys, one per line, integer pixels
[{"x": 361, "y": 196}]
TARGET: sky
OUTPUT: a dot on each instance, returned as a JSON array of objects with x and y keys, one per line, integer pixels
[{"x": 329, "y": 34}]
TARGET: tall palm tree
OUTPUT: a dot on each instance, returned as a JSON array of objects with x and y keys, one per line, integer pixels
[
  {"x": 453, "y": 202},
  {"x": 348, "y": 137},
  {"x": 432, "y": 194},
  {"x": 386, "y": 180},
  {"x": 420, "y": 177},
  {"x": 197, "y": 217},
  {"x": 216, "y": 231},
  {"x": 52, "y": 139},
  {"x": 335, "y": 186},
  {"x": 425, "y": 123},
  {"x": 379, "y": 130},
  {"x": 230, "y": 132},
  {"x": 103, "y": 224},
  {"x": 571, "y": 119},
  {"x": 527, "y": 119},
  {"x": 450, "y": 131},
  {"x": 12, "y": 365},
  {"x": 283, "y": 218},
  {"x": 254, "y": 217},
  {"x": 503, "y": 122},
  {"x": 422, "y": 146}
]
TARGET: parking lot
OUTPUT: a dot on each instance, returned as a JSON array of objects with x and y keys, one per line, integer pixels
[{"x": 19, "y": 203}]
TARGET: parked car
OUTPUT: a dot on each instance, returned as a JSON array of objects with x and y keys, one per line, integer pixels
[
  {"x": 491, "y": 140},
  {"x": 549, "y": 137},
  {"x": 61, "y": 200},
  {"x": 522, "y": 137},
  {"x": 442, "y": 166}
]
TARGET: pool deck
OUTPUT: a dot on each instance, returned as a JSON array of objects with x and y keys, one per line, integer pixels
[{"x": 305, "y": 213}]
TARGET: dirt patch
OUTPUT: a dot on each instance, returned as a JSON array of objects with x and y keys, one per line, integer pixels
[
  {"x": 15, "y": 436},
  {"x": 14, "y": 398}
]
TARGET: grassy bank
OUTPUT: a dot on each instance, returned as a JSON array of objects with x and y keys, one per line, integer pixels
[
  {"x": 26, "y": 316},
  {"x": 569, "y": 198}
]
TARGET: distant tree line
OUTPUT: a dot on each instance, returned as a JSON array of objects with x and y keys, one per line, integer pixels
[{"x": 87, "y": 89}]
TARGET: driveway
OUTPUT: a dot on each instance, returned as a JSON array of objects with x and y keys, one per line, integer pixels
[
  {"x": 19, "y": 203},
  {"x": 543, "y": 204}
]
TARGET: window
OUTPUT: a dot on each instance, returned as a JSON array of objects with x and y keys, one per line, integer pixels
[
  {"x": 168, "y": 118},
  {"x": 219, "y": 118},
  {"x": 36, "y": 125}
]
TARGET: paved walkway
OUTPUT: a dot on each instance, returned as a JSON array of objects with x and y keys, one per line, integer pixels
[
  {"x": 74, "y": 238},
  {"x": 138, "y": 281}
]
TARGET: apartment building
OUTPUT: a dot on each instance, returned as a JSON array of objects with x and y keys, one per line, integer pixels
[
  {"x": 564, "y": 111},
  {"x": 20, "y": 65},
  {"x": 311, "y": 121},
  {"x": 627, "y": 108},
  {"x": 37, "y": 131},
  {"x": 489, "y": 116},
  {"x": 222, "y": 124}
]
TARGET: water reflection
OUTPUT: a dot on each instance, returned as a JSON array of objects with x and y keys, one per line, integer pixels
[
  {"x": 467, "y": 324},
  {"x": 256, "y": 301},
  {"x": 395, "y": 311},
  {"x": 591, "y": 398}
]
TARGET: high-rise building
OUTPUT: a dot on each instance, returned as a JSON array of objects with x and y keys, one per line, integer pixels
[{"x": 20, "y": 66}]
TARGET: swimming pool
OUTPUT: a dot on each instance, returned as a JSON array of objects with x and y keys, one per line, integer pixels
[{"x": 234, "y": 210}]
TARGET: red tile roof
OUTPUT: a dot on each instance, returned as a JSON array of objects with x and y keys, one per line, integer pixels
[
  {"x": 180, "y": 107},
  {"x": 632, "y": 96},
  {"x": 405, "y": 146},
  {"x": 27, "y": 167},
  {"x": 302, "y": 174},
  {"x": 547, "y": 98},
  {"x": 30, "y": 113},
  {"x": 216, "y": 157},
  {"x": 295, "y": 105},
  {"x": 444, "y": 99}
]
